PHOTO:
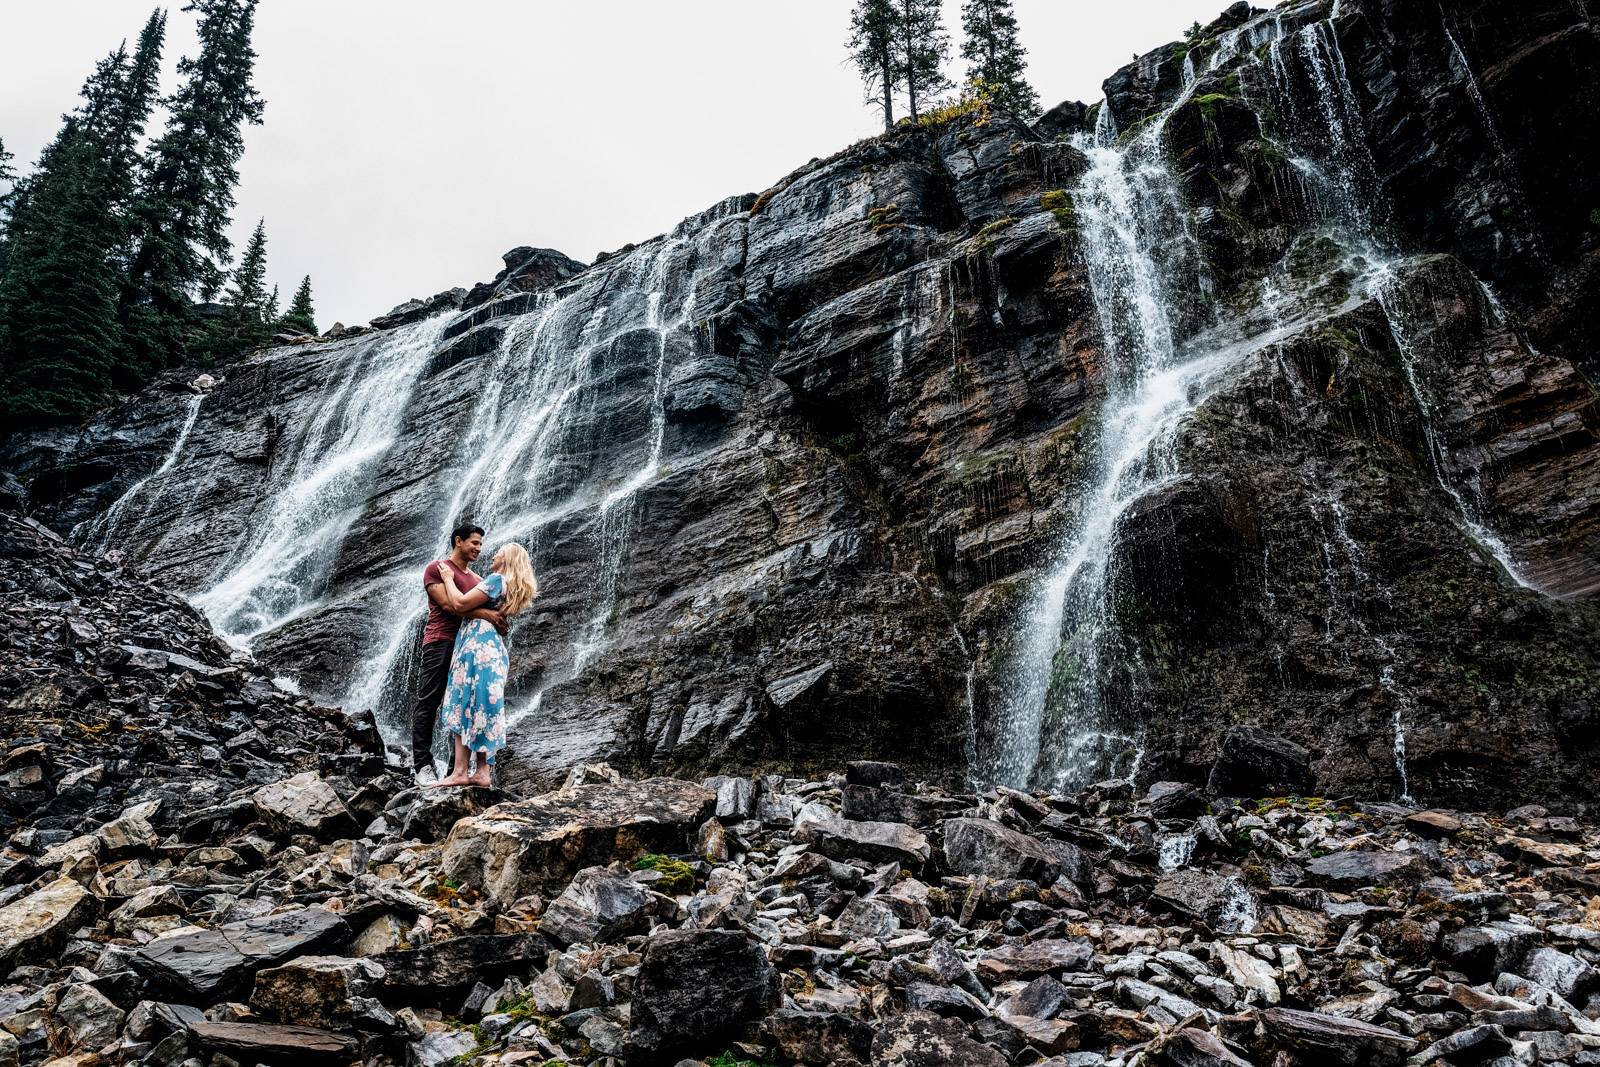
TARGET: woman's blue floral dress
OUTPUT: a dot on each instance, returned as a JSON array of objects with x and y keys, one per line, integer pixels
[{"x": 474, "y": 707}]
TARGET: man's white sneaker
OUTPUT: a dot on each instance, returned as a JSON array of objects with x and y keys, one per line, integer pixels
[{"x": 426, "y": 776}]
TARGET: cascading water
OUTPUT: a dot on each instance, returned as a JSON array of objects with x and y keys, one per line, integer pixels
[
  {"x": 99, "y": 532},
  {"x": 534, "y": 419},
  {"x": 1053, "y": 723},
  {"x": 283, "y": 569}
]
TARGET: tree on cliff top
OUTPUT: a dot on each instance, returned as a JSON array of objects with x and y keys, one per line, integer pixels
[
  {"x": 871, "y": 44},
  {"x": 921, "y": 47},
  {"x": 248, "y": 323},
  {"x": 995, "y": 56},
  {"x": 301, "y": 316},
  {"x": 186, "y": 189}
]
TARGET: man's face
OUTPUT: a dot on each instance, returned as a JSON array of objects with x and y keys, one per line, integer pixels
[{"x": 471, "y": 547}]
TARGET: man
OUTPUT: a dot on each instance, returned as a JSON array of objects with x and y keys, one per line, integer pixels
[{"x": 439, "y": 639}]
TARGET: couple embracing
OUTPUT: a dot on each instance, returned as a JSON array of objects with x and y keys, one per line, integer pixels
[{"x": 462, "y": 683}]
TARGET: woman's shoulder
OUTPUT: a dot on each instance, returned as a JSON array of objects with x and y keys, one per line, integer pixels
[{"x": 495, "y": 583}]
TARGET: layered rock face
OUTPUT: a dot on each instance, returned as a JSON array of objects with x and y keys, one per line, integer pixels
[{"x": 1255, "y": 394}]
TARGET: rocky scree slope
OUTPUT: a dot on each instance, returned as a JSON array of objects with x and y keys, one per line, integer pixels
[{"x": 793, "y": 473}]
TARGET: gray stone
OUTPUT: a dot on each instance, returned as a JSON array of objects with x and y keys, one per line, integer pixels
[
  {"x": 1356, "y": 870},
  {"x": 696, "y": 987},
  {"x": 36, "y": 925},
  {"x": 210, "y": 963},
  {"x": 875, "y": 842},
  {"x": 1331, "y": 1039},
  {"x": 522, "y": 846},
  {"x": 313, "y": 990},
  {"x": 86, "y": 1018},
  {"x": 985, "y": 847},
  {"x": 598, "y": 905},
  {"x": 304, "y": 804},
  {"x": 923, "y": 1039},
  {"x": 264, "y": 1043}
]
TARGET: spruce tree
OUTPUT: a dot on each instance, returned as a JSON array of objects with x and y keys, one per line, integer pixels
[
  {"x": 872, "y": 50},
  {"x": 301, "y": 316},
  {"x": 270, "y": 311},
  {"x": 921, "y": 46},
  {"x": 58, "y": 297},
  {"x": 247, "y": 325},
  {"x": 994, "y": 55},
  {"x": 66, "y": 232},
  {"x": 186, "y": 187}
]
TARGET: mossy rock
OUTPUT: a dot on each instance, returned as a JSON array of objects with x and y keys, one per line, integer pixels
[{"x": 676, "y": 875}]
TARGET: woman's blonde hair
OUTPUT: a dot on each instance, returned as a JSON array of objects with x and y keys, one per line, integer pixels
[{"x": 521, "y": 585}]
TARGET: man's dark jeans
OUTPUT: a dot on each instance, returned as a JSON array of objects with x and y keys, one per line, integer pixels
[{"x": 432, "y": 681}]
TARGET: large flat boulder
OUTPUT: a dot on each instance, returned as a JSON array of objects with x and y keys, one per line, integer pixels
[
  {"x": 521, "y": 846},
  {"x": 1318, "y": 1038},
  {"x": 875, "y": 842},
  {"x": 266, "y": 1043},
  {"x": 1358, "y": 869},
  {"x": 212, "y": 963},
  {"x": 36, "y": 925},
  {"x": 983, "y": 846},
  {"x": 449, "y": 968},
  {"x": 304, "y": 804},
  {"x": 599, "y": 905}
]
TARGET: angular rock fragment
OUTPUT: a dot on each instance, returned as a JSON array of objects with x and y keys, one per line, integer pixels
[
  {"x": 875, "y": 842},
  {"x": 37, "y": 924},
  {"x": 266, "y": 1043},
  {"x": 984, "y": 847},
  {"x": 598, "y": 905},
  {"x": 211, "y": 963},
  {"x": 696, "y": 987}
]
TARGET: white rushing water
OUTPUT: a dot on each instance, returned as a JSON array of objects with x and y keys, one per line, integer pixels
[
  {"x": 533, "y": 422},
  {"x": 284, "y": 567},
  {"x": 100, "y": 531}
]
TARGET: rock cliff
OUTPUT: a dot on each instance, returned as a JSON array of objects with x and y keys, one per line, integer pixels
[{"x": 1258, "y": 392}]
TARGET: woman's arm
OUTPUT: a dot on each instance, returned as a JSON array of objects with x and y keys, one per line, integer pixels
[{"x": 456, "y": 601}]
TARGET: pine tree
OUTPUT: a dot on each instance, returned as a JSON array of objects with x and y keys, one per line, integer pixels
[
  {"x": 66, "y": 231},
  {"x": 186, "y": 187},
  {"x": 995, "y": 56},
  {"x": 871, "y": 44},
  {"x": 247, "y": 324},
  {"x": 8, "y": 178},
  {"x": 58, "y": 297},
  {"x": 270, "y": 312},
  {"x": 921, "y": 46},
  {"x": 301, "y": 316}
]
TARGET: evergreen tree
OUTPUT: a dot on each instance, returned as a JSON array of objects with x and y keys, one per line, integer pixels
[
  {"x": 872, "y": 49},
  {"x": 301, "y": 316},
  {"x": 995, "y": 56},
  {"x": 8, "y": 178},
  {"x": 921, "y": 46},
  {"x": 186, "y": 187},
  {"x": 247, "y": 324},
  {"x": 58, "y": 297},
  {"x": 66, "y": 229},
  {"x": 270, "y": 313}
]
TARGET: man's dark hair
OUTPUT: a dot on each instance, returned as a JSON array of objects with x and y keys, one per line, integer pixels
[{"x": 462, "y": 532}]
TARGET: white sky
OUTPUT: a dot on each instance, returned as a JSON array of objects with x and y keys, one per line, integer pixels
[{"x": 408, "y": 143}]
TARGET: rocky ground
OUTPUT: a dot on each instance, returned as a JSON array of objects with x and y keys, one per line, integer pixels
[{"x": 204, "y": 869}]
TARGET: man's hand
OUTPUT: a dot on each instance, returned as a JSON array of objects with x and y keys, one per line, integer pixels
[{"x": 493, "y": 618}]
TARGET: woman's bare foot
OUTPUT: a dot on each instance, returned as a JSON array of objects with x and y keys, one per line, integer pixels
[
  {"x": 481, "y": 779},
  {"x": 454, "y": 779}
]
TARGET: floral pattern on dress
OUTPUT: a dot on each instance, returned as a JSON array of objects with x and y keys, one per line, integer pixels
[{"x": 474, "y": 707}]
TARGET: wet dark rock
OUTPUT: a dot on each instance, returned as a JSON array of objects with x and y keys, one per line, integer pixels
[
  {"x": 875, "y": 842},
  {"x": 266, "y": 1043},
  {"x": 597, "y": 905},
  {"x": 1254, "y": 763},
  {"x": 696, "y": 987},
  {"x": 451, "y": 967},
  {"x": 1331, "y": 1038},
  {"x": 517, "y": 847},
  {"x": 206, "y": 963},
  {"x": 923, "y": 1039},
  {"x": 984, "y": 847}
]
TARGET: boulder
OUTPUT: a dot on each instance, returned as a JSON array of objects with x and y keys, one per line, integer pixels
[
  {"x": 1357, "y": 870},
  {"x": 598, "y": 905},
  {"x": 1254, "y": 763},
  {"x": 1046, "y": 956},
  {"x": 1197, "y": 894},
  {"x": 211, "y": 963},
  {"x": 821, "y": 1037},
  {"x": 38, "y": 924},
  {"x": 984, "y": 847},
  {"x": 448, "y": 969},
  {"x": 698, "y": 988},
  {"x": 313, "y": 990},
  {"x": 304, "y": 804},
  {"x": 875, "y": 842},
  {"x": 86, "y": 1019},
  {"x": 1330, "y": 1039},
  {"x": 266, "y": 1043},
  {"x": 520, "y": 846},
  {"x": 923, "y": 1039}
]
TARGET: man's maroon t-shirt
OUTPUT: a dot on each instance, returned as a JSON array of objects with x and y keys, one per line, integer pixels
[{"x": 442, "y": 624}]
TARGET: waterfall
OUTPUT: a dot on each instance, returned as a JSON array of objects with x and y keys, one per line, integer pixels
[
  {"x": 522, "y": 463},
  {"x": 98, "y": 532},
  {"x": 1475, "y": 91},
  {"x": 1054, "y": 729},
  {"x": 283, "y": 568}
]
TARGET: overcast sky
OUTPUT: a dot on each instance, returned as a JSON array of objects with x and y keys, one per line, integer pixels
[{"x": 407, "y": 144}]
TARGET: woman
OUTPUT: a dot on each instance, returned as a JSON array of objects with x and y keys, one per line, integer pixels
[{"x": 474, "y": 708}]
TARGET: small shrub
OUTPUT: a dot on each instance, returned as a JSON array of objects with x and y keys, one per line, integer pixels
[{"x": 1594, "y": 217}]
